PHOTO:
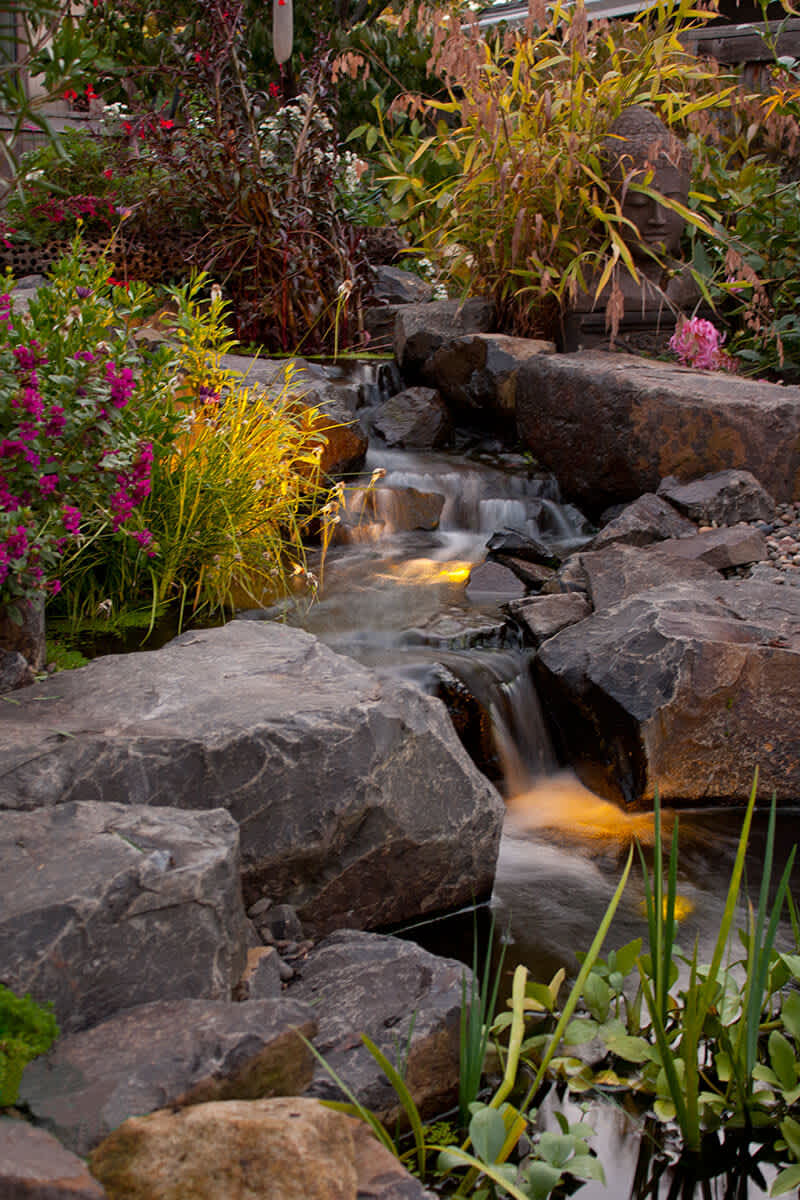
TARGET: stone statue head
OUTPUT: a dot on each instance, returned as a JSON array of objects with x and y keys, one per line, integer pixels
[{"x": 638, "y": 143}]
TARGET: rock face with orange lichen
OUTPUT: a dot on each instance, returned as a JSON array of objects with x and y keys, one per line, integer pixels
[
  {"x": 651, "y": 419},
  {"x": 249, "y": 1150}
]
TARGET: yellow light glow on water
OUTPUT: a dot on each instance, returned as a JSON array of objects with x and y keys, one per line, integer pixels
[
  {"x": 562, "y": 803},
  {"x": 456, "y": 572},
  {"x": 683, "y": 908},
  {"x": 427, "y": 570}
]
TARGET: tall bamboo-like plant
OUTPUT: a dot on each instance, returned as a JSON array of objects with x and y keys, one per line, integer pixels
[{"x": 526, "y": 214}]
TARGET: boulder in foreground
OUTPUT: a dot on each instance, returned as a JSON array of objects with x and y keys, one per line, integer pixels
[
  {"x": 355, "y": 800},
  {"x": 250, "y": 1150},
  {"x": 108, "y": 905}
]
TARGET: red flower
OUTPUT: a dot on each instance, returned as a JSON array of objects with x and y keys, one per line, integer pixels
[
  {"x": 91, "y": 94},
  {"x": 166, "y": 124},
  {"x": 70, "y": 94},
  {"x": 274, "y": 90},
  {"x": 109, "y": 174}
]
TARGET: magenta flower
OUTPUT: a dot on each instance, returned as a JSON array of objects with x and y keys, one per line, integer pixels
[
  {"x": 71, "y": 519},
  {"x": 48, "y": 484},
  {"x": 697, "y": 343},
  {"x": 33, "y": 403},
  {"x": 17, "y": 543},
  {"x": 144, "y": 537},
  {"x": 56, "y": 420},
  {"x": 122, "y": 384}
]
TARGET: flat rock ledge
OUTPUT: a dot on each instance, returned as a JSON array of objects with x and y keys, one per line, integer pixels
[
  {"x": 355, "y": 800},
  {"x": 107, "y": 905},
  {"x": 652, "y": 419}
]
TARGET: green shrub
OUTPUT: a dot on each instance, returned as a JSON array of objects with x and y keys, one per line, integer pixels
[
  {"x": 26, "y": 1030},
  {"x": 235, "y": 487}
]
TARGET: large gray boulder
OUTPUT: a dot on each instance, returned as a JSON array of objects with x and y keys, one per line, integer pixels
[
  {"x": 355, "y": 800},
  {"x": 611, "y": 426},
  {"x": 108, "y": 905},
  {"x": 406, "y": 1000},
  {"x": 170, "y": 1052},
  {"x": 686, "y": 688}
]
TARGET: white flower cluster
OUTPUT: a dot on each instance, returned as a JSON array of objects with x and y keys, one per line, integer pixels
[
  {"x": 112, "y": 117},
  {"x": 426, "y": 270},
  {"x": 278, "y": 135}
]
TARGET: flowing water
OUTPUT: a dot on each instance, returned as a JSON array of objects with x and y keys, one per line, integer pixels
[{"x": 398, "y": 601}]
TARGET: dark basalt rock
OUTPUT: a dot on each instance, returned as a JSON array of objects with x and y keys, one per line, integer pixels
[
  {"x": 611, "y": 426},
  {"x": 109, "y": 905},
  {"x": 686, "y": 687},
  {"x": 172, "y": 1052},
  {"x": 355, "y": 800},
  {"x": 398, "y": 994},
  {"x": 724, "y": 498},
  {"x": 648, "y": 519}
]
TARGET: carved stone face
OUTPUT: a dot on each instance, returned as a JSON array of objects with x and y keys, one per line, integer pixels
[
  {"x": 659, "y": 227},
  {"x": 639, "y": 148}
]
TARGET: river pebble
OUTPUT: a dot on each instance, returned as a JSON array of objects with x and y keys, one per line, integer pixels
[{"x": 782, "y": 535}]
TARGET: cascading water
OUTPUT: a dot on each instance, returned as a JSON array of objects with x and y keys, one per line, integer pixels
[{"x": 397, "y": 598}]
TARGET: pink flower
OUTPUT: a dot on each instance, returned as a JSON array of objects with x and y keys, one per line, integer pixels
[
  {"x": 56, "y": 421},
  {"x": 122, "y": 506},
  {"x": 48, "y": 484},
  {"x": 71, "y": 519},
  {"x": 122, "y": 384},
  {"x": 144, "y": 537},
  {"x": 32, "y": 403},
  {"x": 54, "y": 587},
  {"x": 17, "y": 543},
  {"x": 697, "y": 343}
]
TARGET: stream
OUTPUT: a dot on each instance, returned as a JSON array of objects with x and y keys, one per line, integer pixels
[{"x": 399, "y": 601}]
